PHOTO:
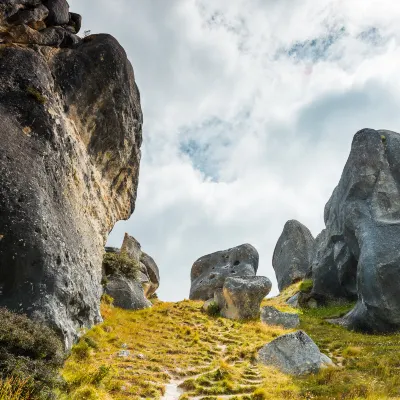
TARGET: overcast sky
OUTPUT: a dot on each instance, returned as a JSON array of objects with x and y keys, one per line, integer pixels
[{"x": 249, "y": 109}]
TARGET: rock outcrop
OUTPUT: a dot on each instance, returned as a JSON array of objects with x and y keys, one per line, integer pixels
[
  {"x": 272, "y": 316},
  {"x": 70, "y": 133},
  {"x": 145, "y": 272},
  {"x": 209, "y": 272},
  {"x": 127, "y": 293},
  {"x": 294, "y": 354},
  {"x": 293, "y": 254},
  {"x": 358, "y": 252},
  {"x": 241, "y": 297}
]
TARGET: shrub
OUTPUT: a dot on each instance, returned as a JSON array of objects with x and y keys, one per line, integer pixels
[
  {"x": 120, "y": 263},
  {"x": 260, "y": 394},
  {"x": 15, "y": 389},
  {"x": 213, "y": 309},
  {"x": 29, "y": 352},
  {"x": 82, "y": 350},
  {"x": 306, "y": 286}
]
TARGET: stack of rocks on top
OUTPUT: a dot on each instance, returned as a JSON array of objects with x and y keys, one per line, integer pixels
[
  {"x": 131, "y": 291},
  {"x": 229, "y": 279},
  {"x": 46, "y": 23}
]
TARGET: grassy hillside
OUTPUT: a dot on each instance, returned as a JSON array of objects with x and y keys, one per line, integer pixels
[{"x": 135, "y": 355}]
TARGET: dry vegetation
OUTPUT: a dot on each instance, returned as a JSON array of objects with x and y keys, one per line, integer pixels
[{"x": 212, "y": 357}]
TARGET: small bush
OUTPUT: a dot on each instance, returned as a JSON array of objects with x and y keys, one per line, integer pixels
[
  {"x": 213, "y": 309},
  {"x": 120, "y": 263},
  {"x": 82, "y": 350},
  {"x": 15, "y": 389},
  {"x": 306, "y": 286},
  {"x": 107, "y": 299},
  {"x": 29, "y": 353}
]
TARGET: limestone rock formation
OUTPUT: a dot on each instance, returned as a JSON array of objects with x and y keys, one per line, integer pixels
[
  {"x": 148, "y": 273},
  {"x": 272, "y": 316},
  {"x": 293, "y": 254},
  {"x": 294, "y": 354},
  {"x": 209, "y": 272},
  {"x": 358, "y": 252},
  {"x": 241, "y": 296},
  {"x": 127, "y": 293},
  {"x": 70, "y": 133}
]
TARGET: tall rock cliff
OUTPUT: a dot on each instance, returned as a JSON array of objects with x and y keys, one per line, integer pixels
[{"x": 70, "y": 134}]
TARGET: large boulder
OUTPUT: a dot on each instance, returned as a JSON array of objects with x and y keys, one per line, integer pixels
[
  {"x": 272, "y": 316},
  {"x": 209, "y": 272},
  {"x": 293, "y": 254},
  {"x": 358, "y": 253},
  {"x": 127, "y": 293},
  {"x": 70, "y": 133},
  {"x": 241, "y": 296},
  {"x": 294, "y": 354}
]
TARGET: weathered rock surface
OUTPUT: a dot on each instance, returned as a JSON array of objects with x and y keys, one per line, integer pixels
[
  {"x": 149, "y": 274},
  {"x": 241, "y": 296},
  {"x": 127, "y": 293},
  {"x": 272, "y": 316},
  {"x": 358, "y": 252},
  {"x": 294, "y": 300},
  {"x": 210, "y": 272},
  {"x": 70, "y": 133},
  {"x": 293, "y": 254},
  {"x": 294, "y": 354}
]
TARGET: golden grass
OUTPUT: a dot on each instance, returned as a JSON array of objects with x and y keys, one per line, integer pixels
[
  {"x": 14, "y": 389},
  {"x": 212, "y": 356}
]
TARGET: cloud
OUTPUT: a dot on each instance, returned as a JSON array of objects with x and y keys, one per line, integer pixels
[{"x": 250, "y": 107}]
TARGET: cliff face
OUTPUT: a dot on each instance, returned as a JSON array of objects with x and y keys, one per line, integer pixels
[{"x": 70, "y": 134}]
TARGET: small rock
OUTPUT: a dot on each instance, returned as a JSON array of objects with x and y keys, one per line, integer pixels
[
  {"x": 294, "y": 300},
  {"x": 272, "y": 316},
  {"x": 294, "y": 354},
  {"x": 124, "y": 346},
  {"x": 124, "y": 353}
]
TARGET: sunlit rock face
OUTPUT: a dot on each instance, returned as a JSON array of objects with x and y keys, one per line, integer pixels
[{"x": 70, "y": 134}]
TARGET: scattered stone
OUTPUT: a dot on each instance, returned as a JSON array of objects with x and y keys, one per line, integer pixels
[
  {"x": 241, "y": 296},
  {"x": 209, "y": 272},
  {"x": 294, "y": 300},
  {"x": 293, "y": 254},
  {"x": 124, "y": 353},
  {"x": 207, "y": 304},
  {"x": 294, "y": 354},
  {"x": 358, "y": 253},
  {"x": 272, "y": 316}
]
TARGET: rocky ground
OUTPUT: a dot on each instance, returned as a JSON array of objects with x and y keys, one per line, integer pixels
[{"x": 176, "y": 350}]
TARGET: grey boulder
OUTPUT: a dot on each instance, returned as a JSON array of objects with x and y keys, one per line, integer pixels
[
  {"x": 241, "y": 296},
  {"x": 293, "y": 254},
  {"x": 294, "y": 354},
  {"x": 358, "y": 252},
  {"x": 127, "y": 293},
  {"x": 58, "y": 12},
  {"x": 294, "y": 300},
  {"x": 272, "y": 316},
  {"x": 209, "y": 272}
]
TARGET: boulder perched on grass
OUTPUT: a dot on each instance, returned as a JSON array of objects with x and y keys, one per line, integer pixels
[
  {"x": 241, "y": 297},
  {"x": 294, "y": 354},
  {"x": 272, "y": 316},
  {"x": 293, "y": 254},
  {"x": 210, "y": 272}
]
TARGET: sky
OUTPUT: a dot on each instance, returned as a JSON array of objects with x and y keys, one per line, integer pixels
[{"x": 250, "y": 107}]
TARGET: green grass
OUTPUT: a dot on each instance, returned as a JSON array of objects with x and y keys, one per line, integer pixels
[
  {"x": 211, "y": 356},
  {"x": 306, "y": 286}
]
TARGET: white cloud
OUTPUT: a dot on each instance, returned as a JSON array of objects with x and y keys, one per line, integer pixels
[{"x": 250, "y": 107}]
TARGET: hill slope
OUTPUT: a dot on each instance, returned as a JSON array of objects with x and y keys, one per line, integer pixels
[{"x": 175, "y": 349}]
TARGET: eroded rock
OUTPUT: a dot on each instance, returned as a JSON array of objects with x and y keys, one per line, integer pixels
[
  {"x": 241, "y": 297},
  {"x": 293, "y": 254},
  {"x": 358, "y": 253},
  {"x": 70, "y": 133},
  {"x": 210, "y": 272},
  {"x": 294, "y": 354}
]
